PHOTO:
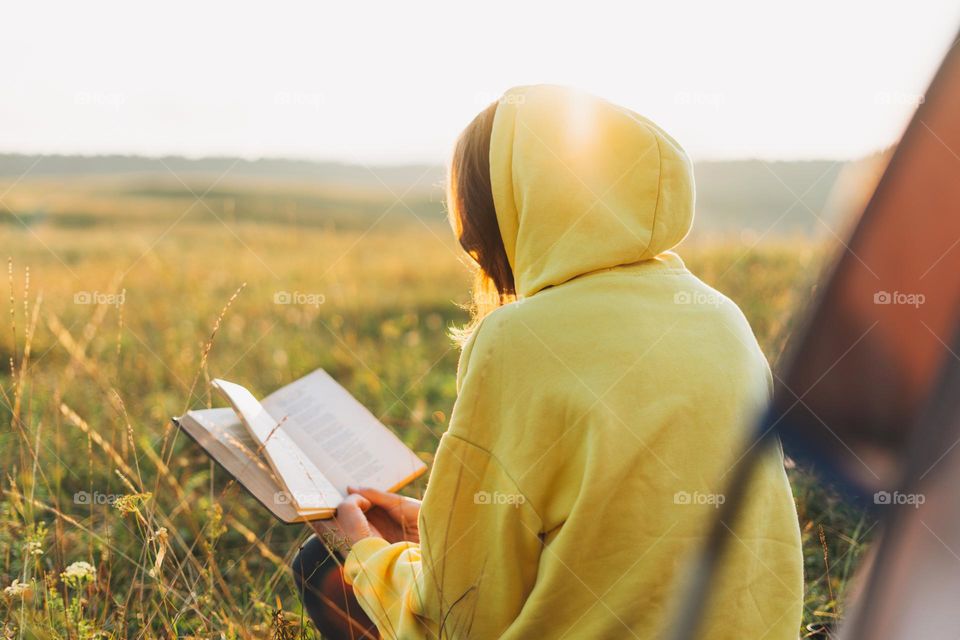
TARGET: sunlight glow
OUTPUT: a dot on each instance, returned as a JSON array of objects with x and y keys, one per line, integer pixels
[{"x": 395, "y": 82}]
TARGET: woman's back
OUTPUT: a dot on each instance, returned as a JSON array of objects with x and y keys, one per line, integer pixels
[
  {"x": 597, "y": 416},
  {"x": 612, "y": 407}
]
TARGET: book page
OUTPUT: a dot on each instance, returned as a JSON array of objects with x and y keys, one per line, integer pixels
[
  {"x": 226, "y": 427},
  {"x": 341, "y": 436},
  {"x": 225, "y": 439},
  {"x": 309, "y": 489}
]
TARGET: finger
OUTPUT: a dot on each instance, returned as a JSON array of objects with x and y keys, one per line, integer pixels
[
  {"x": 353, "y": 522},
  {"x": 359, "y": 500},
  {"x": 350, "y": 512},
  {"x": 403, "y": 509},
  {"x": 377, "y": 497}
]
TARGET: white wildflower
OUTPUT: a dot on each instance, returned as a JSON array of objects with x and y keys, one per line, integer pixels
[
  {"x": 79, "y": 572},
  {"x": 34, "y": 548},
  {"x": 17, "y": 588}
]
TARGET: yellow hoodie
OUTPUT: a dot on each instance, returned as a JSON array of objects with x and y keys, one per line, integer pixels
[{"x": 597, "y": 417}]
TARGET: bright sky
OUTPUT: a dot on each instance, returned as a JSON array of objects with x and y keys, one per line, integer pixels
[{"x": 395, "y": 82}]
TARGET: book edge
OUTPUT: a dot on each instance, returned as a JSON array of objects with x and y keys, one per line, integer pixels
[
  {"x": 266, "y": 453},
  {"x": 301, "y": 519}
]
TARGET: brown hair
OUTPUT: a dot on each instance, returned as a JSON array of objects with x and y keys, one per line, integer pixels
[{"x": 474, "y": 218}]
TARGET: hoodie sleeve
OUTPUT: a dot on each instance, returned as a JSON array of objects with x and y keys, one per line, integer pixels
[
  {"x": 477, "y": 558},
  {"x": 480, "y": 541}
]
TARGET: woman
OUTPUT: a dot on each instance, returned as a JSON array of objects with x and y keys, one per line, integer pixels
[{"x": 597, "y": 413}]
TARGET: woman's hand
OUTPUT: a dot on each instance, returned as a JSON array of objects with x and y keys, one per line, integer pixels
[
  {"x": 395, "y": 516},
  {"x": 349, "y": 526}
]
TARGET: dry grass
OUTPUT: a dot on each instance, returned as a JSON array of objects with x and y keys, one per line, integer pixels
[{"x": 118, "y": 323}]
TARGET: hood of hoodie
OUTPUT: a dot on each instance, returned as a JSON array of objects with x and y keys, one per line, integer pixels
[{"x": 582, "y": 185}]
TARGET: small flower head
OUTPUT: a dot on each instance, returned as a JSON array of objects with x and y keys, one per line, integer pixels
[
  {"x": 34, "y": 540},
  {"x": 78, "y": 573},
  {"x": 18, "y": 589},
  {"x": 131, "y": 502}
]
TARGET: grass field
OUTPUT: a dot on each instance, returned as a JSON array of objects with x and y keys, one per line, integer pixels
[{"x": 127, "y": 297}]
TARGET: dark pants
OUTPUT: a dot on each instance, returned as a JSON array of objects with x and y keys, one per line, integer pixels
[{"x": 327, "y": 599}]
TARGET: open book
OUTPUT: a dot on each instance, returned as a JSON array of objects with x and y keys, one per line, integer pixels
[{"x": 298, "y": 450}]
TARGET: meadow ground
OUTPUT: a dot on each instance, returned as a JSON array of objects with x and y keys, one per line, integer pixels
[{"x": 124, "y": 303}]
